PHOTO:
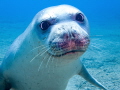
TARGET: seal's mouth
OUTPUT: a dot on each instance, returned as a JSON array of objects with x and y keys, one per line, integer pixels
[
  {"x": 71, "y": 47},
  {"x": 69, "y": 52}
]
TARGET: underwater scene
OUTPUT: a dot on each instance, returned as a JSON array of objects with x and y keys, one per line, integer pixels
[{"x": 102, "y": 58}]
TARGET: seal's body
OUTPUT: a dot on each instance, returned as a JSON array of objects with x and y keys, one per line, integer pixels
[{"x": 47, "y": 54}]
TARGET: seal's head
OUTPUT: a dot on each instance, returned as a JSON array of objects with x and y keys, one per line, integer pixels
[{"x": 63, "y": 29}]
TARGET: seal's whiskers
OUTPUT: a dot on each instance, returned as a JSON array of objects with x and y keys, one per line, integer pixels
[
  {"x": 37, "y": 47},
  {"x": 44, "y": 52},
  {"x": 35, "y": 56},
  {"x": 39, "y": 54},
  {"x": 41, "y": 63},
  {"x": 48, "y": 60}
]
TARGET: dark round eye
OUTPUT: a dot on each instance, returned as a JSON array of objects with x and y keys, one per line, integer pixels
[
  {"x": 44, "y": 25},
  {"x": 79, "y": 17}
]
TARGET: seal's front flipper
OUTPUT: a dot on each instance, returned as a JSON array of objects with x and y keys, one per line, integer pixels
[{"x": 84, "y": 73}]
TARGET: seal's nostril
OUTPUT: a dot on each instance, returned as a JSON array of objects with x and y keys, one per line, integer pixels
[
  {"x": 74, "y": 35},
  {"x": 66, "y": 36},
  {"x": 69, "y": 36}
]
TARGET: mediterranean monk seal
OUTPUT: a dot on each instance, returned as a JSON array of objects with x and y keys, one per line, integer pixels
[{"x": 47, "y": 54}]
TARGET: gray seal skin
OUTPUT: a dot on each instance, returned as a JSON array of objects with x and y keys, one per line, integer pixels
[{"x": 47, "y": 54}]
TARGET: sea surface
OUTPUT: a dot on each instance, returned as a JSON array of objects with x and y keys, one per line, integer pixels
[{"x": 102, "y": 59}]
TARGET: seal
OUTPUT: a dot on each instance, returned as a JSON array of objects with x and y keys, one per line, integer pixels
[{"x": 47, "y": 54}]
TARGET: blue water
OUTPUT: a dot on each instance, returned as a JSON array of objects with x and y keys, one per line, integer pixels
[{"x": 104, "y": 19}]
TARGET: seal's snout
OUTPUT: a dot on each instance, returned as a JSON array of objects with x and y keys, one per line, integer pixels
[
  {"x": 69, "y": 42},
  {"x": 73, "y": 40}
]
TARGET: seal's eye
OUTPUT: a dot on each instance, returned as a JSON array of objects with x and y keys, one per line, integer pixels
[
  {"x": 44, "y": 25},
  {"x": 79, "y": 17}
]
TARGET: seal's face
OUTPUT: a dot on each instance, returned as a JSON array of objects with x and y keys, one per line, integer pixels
[{"x": 64, "y": 30}]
